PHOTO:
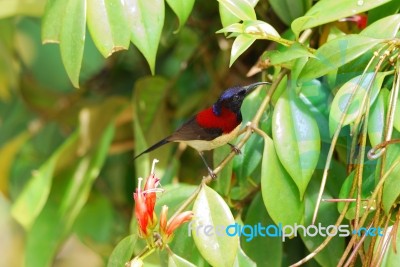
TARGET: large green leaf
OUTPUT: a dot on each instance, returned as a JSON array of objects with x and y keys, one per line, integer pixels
[
  {"x": 343, "y": 96},
  {"x": 72, "y": 38},
  {"x": 182, "y": 9},
  {"x": 242, "y": 260},
  {"x": 240, "y": 45},
  {"x": 242, "y": 9},
  {"x": 328, "y": 215},
  {"x": 150, "y": 124},
  {"x": 211, "y": 211},
  {"x": 391, "y": 188},
  {"x": 384, "y": 28},
  {"x": 227, "y": 17},
  {"x": 122, "y": 253},
  {"x": 278, "y": 187},
  {"x": 146, "y": 20},
  {"x": 31, "y": 201},
  {"x": 336, "y": 53},
  {"x": 55, "y": 221},
  {"x": 325, "y": 11},
  {"x": 223, "y": 183},
  {"x": 264, "y": 250},
  {"x": 108, "y": 25},
  {"x": 288, "y": 10},
  {"x": 21, "y": 7},
  {"x": 391, "y": 256},
  {"x": 53, "y": 20},
  {"x": 296, "y": 139},
  {"x": 176, "y": 261},
  {"x": 396, "y": 122},
  {"x": 377, "y": 118}
]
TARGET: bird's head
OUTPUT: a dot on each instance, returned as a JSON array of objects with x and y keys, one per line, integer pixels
[{"x": 233, "y": 97}]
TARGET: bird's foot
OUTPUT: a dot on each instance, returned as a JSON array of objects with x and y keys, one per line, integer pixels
[
  {"x": 212, "y": 174},
  {"x": 235, "y": 149}
]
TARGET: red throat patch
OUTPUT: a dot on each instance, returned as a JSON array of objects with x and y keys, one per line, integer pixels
[{"x": 227, "y": 121}]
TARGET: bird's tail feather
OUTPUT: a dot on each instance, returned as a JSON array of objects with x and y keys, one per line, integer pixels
[{"x": 156, "y": 145}]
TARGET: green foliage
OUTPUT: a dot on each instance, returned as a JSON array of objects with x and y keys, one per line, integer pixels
[{"x": 325, "y": 131}]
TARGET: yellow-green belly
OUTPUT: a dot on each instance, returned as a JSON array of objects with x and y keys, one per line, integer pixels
[{"x": 201, "y": 145}]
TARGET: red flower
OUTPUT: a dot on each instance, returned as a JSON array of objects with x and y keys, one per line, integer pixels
[
  {"x": 145, "y": 202},
  {"x": 168, "y": 230}
]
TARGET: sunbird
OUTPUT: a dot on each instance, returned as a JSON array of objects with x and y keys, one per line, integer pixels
[{"x": 212, "y": 127}]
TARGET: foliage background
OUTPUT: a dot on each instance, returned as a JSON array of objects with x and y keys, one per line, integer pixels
[{"x": 66, "y": 155}]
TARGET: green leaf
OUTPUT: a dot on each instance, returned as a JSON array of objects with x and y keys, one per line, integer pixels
[
  {"x": 227, "y": 18},
  {"x": 385, "y": 28},
  {"x": 368, "y": 185},
  {"x": 234, "y": 27},
  {"x": 328, "y": 215},
  {"x": 72, "y": 38},
  {"x": 242, "y": 260},
  {"x": 210, "y": 210},
  {"x": 242, "y": 9},
  {"x": 288, "y": 10},
  {"x": 44, "y": 238},
  {"x": 8, "y": 153},
  {"x": 391, "y": 188},
  {"x": 396, "y": 122},
  {"x": 291, "y": 53},
  {"x": 146, "y": 20},
  {"x": 296, "y": 139},
  {"x": 53, "y": 20},
  {"x": 182, "y": 9},
  {"x": 240, "y": 45},
  {"x": 108, "y": 26},
  {"x": 151, "y": 123},
  {"x": 122, "y": 253},
  {"x": 31, "y": 201},
  {"x": 176, "y": 261},
  {"x": 336, "y": 53},
  {"x": 391, "y": 256},
  {"x": 256, "y": 248},
  {"x": 21, "y": 7},
  {"x": 325, "y": 11},
  {"x": 259, "y": 29},
  {"x": 278, "y": 187},
  {"x": 377, "y": 118},
  {"x": 223, "y": 183},
  {"x": 343, "y": 96}
]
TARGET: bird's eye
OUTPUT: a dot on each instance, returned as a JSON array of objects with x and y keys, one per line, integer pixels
[{"x": 236, "y": 97}]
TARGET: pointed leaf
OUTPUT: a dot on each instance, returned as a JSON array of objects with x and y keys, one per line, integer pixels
[
  {"x": 288, "y": 10},
  {"x": 52, "y": 20},
  {"x": 44, "y": 238},
  {"x": 296, "y": 139},
  {"x": 240, "y": 45},
  {"x": 242, "y": 9},
  {"x": 327, "y": 11},
  {"x": 210, "y": 210},
  {"x": 343, "y": 96},
  {"x": 176, "y": 261},
  {"x": 242, "y": 260},
  {"x": 182, "y": 9},
  {"x": 384, "y": 28},
  {"x": 336, "y": 53},
  {"x": 146, "y": 20},
  {"x": 31, "y": 201},
  {"x": 377, "y": 118},
  {"x": 278, "y": 187},
  {"x": 122, "y": 253},
  {"x": 108, "y": 25},
  {"x": 391, "y": 188},
  {"x": 256, "y": 248},
  {"x": 259, "y": 29},
  {"x": 72, "y": 38}
]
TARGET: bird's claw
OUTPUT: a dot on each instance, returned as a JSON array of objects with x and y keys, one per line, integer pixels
[
  {"x": 212, "y": 174},
  {"x": 235, "y": 149}
]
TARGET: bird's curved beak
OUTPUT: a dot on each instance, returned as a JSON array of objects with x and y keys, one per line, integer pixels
[{"x": 250, "y": 88}]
